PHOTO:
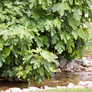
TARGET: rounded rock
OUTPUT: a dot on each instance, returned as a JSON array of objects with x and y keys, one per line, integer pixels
[
  {"x": 14, "y": 89},
  {"x": 70, "y": 85},
  {"x": 26, "y": 90},
  {"x": 33, "y": 88}
]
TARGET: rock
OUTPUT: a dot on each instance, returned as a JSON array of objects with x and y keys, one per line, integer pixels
[
  {"x": 63, "y": 86},
  {"x": 58, "y": 70},
  {"x": 81, "y": 83},
  {"x": 84, "y": 58},
  {"x": 59, "y": 87},
  {"x": 83, "y": 68},
  {"x": 70, "y": 85},
  {"x": 68, "y": 71},
  {"x": 78, "y": 86},
  {"x": 87, "y": 62},
  {"x": 57, "y": 65},
  {"x": 63, "y": 62},
  {"x": 26, "y": 90},
  {"x": 70, "y": 66},
  {"x": 86, "y": 84},
  {"x": 7, "y": 91},
  {"x": 46, "y": 87},
  {"x": 33, "y": 88},
  {"x": 41, "y": 87},
  {"x": 78, "y": 61},
  {"x": 76, "y": 65},
  {"x": 77, "y": 70},
  {"x": 89, "y": 69},
  {"x": 20, "y": 91},
  {"x": 14, "y": 89}
]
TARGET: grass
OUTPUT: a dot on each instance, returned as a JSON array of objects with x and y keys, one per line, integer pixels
[{"x": 69, "y": 90}]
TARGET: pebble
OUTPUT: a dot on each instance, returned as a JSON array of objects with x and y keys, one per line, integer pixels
[
  {"x": 46, "y": 87},
  {"x": 70, "y": 85},
  {"x": 86, "y": 84},
  {"x": 14, "y": 89},
  {"x": 26, "y": 90},
  {"x": 58, "y": 70},
  {"x": 33, "y": 88}
]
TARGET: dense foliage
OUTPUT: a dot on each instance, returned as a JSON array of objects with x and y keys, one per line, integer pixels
[{"x": 33, "y": 33}]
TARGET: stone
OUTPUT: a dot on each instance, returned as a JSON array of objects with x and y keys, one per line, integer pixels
[
  {"x": 68, "y": 71},
  {"x": 70, "y": 85},
  {"x": 26, "y": 90},
  {"x": 78, "y": 70},
  {"x": 82, "y": 83},
  {"x": 41, "y": 87},
  {"x": 63, "y": 62},
  {"x": 46, "y": 87},
  {"x": 33, "y": 88},
  {"x": 78, "y": 61},
  {"x": 7, "y": 91},
  {"x": 20, "y": 91},
  {"x": 83, "y": 68},
  {"x": 58, "y": 70},
  {"x": 76, "y": 65},
  {"x": 59, "y": 87},
  {"x": 63, "y": 86},
  {"x": 57, "y": 65},
  {"x": 78, "y": 86},
  {"x": 84, "y": 58},
  {"x": 87, "y": 62},
  {"x": 14, "y": 89},
  {"x": 89, "y": 69},
  {"x": 70, "y": 66},
  {"x": 86, "y": 84}
]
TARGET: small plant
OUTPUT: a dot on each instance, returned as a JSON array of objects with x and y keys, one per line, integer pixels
[{"x": 33, "y": 33}]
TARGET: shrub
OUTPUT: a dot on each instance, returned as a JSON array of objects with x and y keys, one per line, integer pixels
[{"x": 33, "y": 33}]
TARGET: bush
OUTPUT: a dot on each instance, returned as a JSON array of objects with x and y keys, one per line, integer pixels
[{"x": 33, "y": 33}]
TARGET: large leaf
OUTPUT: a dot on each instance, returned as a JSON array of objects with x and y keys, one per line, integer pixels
[{"x": 60, "y": 47}]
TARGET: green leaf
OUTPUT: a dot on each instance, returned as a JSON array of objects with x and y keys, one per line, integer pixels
[
  {"x": 6, "y": 52},
  {"x": 61, "y": 7},
  {"x": 1, "y": 46},
  {"x": 61, "y": 12},
  {"x": 72, "y": 22},
  {"x": 77, "y": 13},
  {"x": 52, "y": 69},
  {"x": 57, "y": 23},
  {"x": 71, "y": 1},
  {"x": 1, "y": 64},
  {"x": 28, "y": 69},
  {"x": 54, "y": 39},
  {"x": 75, "y": 34},
  {"x": 19, "y": 68},
  {"x": 39, "y": 41},
  {"x": 59, "y": 47},
  {"x": 27, "y": 59},
  {"x": 54, "y": 8},
  {"x": 81, "y": 33},
  {"x": 46, "y": 55},
  {"x": 63, "y": 36},
  {"x": 41, "y": 71},
  {"x": 36, "y": 62},
  {"x": 48, "y": 24},
  {"x": 70, "y": 44}
]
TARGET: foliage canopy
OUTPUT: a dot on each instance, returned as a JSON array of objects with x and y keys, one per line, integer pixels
[{"x": 33, "y": 33}]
